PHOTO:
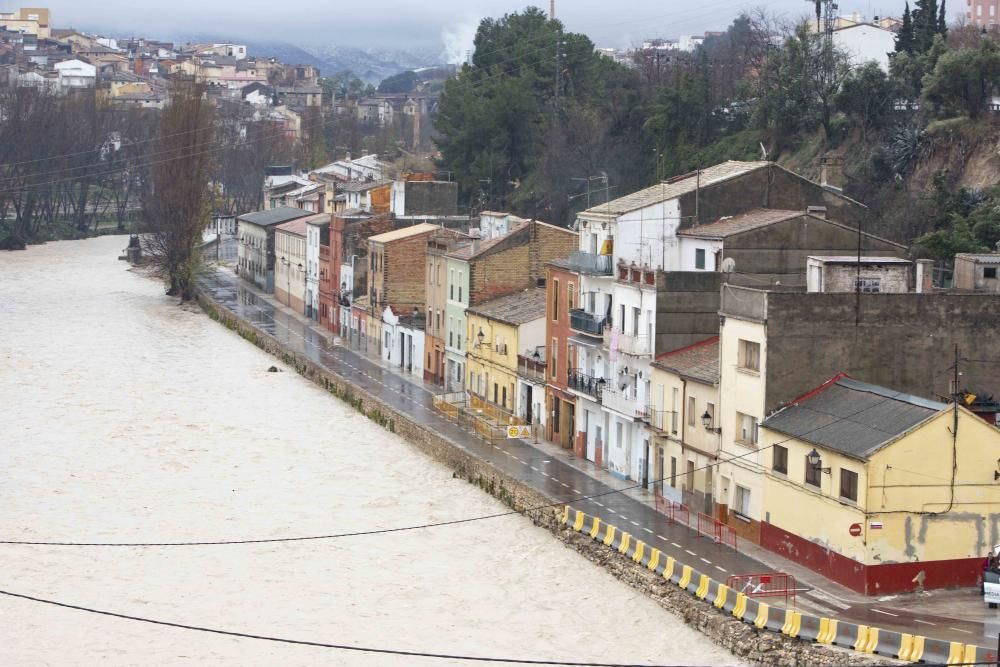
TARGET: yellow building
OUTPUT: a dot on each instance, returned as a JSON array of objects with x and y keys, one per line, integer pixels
[
  {"x": 881, "y": 491},
  {"x": 29, "y": 20},
  {"x": 683, "y": 417},
  {"x": 497, "y": 332}
]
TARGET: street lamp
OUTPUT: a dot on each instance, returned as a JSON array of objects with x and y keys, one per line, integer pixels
[
  {"x": 480, "y": 338},
  {"x": 706, "y": 420},
  {"x": 815, "y": 461}
]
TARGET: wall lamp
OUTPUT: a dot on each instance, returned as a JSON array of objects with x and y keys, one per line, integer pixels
[
  {"x": 480, "y": 338},
  {"x": 815, "y": 461},
  {"x": 706, "y": 419}
]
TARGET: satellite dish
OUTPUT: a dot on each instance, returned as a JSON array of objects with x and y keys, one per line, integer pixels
[{"x": 728, "y": 265}]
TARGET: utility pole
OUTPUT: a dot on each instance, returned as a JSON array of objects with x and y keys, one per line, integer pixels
[{"x": 552, "y": 10}]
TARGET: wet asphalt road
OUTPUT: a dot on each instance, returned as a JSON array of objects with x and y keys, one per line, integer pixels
[{"x": 562, "y": 482}]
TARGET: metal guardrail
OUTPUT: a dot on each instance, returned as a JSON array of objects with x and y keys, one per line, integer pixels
[
  {"x": 586, "y": 384},
  {"x": 586, "y": 262}
]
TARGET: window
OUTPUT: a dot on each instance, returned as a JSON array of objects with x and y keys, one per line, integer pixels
[
  {"x": 459, "y": 285},
  {"x": 868, "y": 285},
  {"x": 555, "y": 300},
  {"x": 812, "y": 474},
  {"x": 746, "y": 429},
  {"x": 691, "y": 410},
  {"x": 848, "y": 485},
  {"x": 430, "y": 273},
  {"x": 689, "y": 477},
  {"x": 710, "y": 409},
  {"x": 990, "y": 272},
  {"x": 749, "y": 355},
  {"x": 699, "y": 258},
  {"x": 635, "y": 321},
  {"x": 741, "y": 501},
  {"x": 779, "y": 463},
  {"x": 552, "y": 356},
  {"x": 571, "y": 296},
  {"x": 673, "y": 412}
]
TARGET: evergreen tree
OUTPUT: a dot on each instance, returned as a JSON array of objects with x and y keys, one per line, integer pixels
[
  {"x": 904, "y": 41},
  {"x": 925, "y": 24},
  {"x": 942, "y": 21}
]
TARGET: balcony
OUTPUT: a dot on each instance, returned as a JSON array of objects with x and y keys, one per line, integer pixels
[
  {"x": 636, "y": 346},
  {"x": 585, "y": 384},
  {"x": 589, "y": 263},
  {"x": 586, "y": 323},
  {"x": 663, "y": 421},
  {"x": 531, "y": 369},
  {"x": 625, "y": 402}
]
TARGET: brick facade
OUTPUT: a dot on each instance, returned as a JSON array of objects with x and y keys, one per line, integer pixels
[{"x": 562, "y": 291}]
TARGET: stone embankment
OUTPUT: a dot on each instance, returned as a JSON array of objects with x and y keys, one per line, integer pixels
[{"x": 743, "y": 640}]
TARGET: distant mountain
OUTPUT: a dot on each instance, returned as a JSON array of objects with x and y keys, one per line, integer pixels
[{"x": 371, "y": 66}]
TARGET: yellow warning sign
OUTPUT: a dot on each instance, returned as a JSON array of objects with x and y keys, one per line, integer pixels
[{"x": 518, "y": 432}]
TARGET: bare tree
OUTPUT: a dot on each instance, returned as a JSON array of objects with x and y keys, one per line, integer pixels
[{"x": 177, "y": 207}]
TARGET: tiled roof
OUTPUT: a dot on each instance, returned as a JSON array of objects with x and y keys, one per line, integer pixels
[
  {"x": 516, "y": 309},
  {"x": 361, "y": 186},
  {"x": 699, "y": 361},
  {"x": 738, "y": 224},
  {"x": 675, "y": 188},
  {"x": 404, "y": 233},
  {"x": 297, "y": 227},
  {"x": 472, "y": 250},
  {"x": 274, "y": 216},
  {"x": 851, "y": 417}
]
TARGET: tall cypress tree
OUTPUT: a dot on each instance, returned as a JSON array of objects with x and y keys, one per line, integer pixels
[
  {"x": 904, "y": 40},
  {"x": 942, "y": 26},
  {"x": 925, "y": 24}
]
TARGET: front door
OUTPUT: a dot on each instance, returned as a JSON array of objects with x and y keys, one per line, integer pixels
[{"x": 527, "y": 404}]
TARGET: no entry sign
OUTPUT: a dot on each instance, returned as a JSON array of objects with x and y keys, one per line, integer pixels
[{"x": 855, "y": 529}]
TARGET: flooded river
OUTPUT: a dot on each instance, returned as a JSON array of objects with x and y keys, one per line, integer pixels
[{"x": 128, "y": 418}]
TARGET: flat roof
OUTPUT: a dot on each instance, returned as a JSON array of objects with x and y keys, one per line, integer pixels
[
  {"x": 854, "y": 259},
  {"x": 405, "y": 233}
]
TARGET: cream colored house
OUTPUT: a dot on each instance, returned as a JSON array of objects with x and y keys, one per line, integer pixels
[
  {"x": 684, "y": 420},
  {"x": 879, "y": 490},
  {"x": 290, "y": 265},
  {"x": 742, "y": 377}
]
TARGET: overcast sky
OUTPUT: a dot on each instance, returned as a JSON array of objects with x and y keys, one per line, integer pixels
[{"x": 410, "y": 24}]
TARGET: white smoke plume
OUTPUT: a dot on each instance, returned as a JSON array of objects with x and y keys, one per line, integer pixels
[{"x": 458, "y": 41}]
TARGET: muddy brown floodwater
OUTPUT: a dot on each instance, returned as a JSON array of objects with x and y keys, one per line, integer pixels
[{"x": 128, "y": 418}]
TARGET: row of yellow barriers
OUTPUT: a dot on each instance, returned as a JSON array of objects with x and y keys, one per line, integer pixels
[{"x": 829, "y": 631}]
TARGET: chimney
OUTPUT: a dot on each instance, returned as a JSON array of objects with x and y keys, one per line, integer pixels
[
  {"x": 925, "y": 276},
  {"x": 818, "y": 211},
  {"x": 475, "y": 234}
]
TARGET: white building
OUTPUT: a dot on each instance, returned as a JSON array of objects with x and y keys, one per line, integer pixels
[
  {"x": 75, "y": 74},
  {"x": 623, "y": 244},
  {"x": 365, "y": 168},
  {"x": 403, "y": 344},
  {"x": 316, "y": 225},
  {"x": 865, "y": 43}
]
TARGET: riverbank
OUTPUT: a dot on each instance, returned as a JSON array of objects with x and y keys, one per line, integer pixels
[{"x": 761, "y": 648}]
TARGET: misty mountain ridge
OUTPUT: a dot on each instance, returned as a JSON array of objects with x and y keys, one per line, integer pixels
[{"x": 370, "y": 65}]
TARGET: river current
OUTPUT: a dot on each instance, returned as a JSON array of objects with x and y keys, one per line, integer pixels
[{"x": 128, "y": 418}]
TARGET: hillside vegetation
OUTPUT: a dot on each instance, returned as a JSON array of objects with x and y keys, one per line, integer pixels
[{"x": 918, "y": 144}]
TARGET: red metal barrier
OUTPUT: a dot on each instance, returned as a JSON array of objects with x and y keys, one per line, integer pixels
[
  {"x": 719, "y": 532},
  {"x": 706, "y": 525},
  {"x": 764, "y": 585},
  {"x": 726, "y": 536},
  {"x": 676, "y": 512}
]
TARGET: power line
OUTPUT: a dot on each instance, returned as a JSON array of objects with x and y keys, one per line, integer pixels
[
  {"x": 373, "y": 649},
  {"x": 379, "y": 531},
  {"x": 401, "y": 529},
  {"x": 316, "y": 644}
]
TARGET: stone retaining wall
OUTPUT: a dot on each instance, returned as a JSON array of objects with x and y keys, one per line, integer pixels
[{"x": 758, "y": 648}]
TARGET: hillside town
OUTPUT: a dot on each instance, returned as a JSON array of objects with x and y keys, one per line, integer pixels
[{"x": 773, "y": 377}]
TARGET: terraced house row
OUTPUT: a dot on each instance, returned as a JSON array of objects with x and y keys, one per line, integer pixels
[{"x": 737, "y": 341}]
